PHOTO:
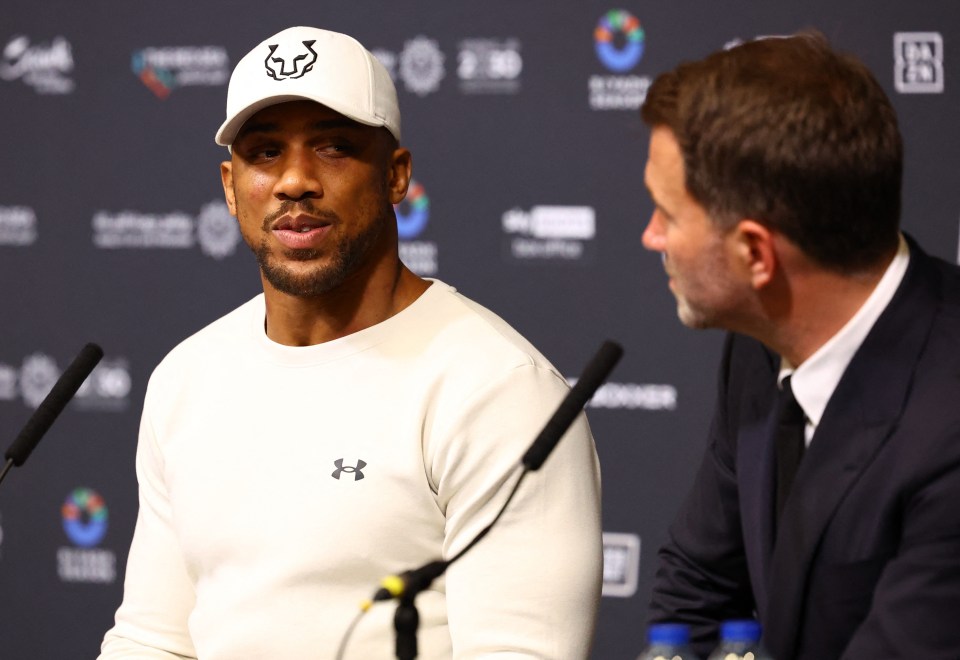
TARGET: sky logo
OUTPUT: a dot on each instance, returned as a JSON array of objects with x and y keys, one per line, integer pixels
[
  {"x": 619, "y": 23},
  {"x": 413, "y": 212},
  {"x": 550, "y": 232}
]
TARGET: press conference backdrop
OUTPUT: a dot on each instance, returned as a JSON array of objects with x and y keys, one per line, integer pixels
[{"x": 528, "y": 196}]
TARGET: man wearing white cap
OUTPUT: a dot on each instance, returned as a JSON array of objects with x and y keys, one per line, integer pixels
[{"x": 351, "y": 422}]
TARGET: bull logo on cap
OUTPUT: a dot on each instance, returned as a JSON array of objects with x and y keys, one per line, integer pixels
[{"x": 300, "y": 67}]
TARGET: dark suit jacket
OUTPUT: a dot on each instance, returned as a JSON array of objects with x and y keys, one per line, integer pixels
[{"x": 865, "y": 564}]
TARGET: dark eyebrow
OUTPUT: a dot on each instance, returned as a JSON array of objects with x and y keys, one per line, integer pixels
[{"x": 321, "y": 125}]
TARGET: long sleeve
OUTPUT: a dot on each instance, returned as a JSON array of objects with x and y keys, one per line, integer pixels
[
  {"x": 531, "y": 587},
  {"x": 158, "y": 593},
  {"x": 702, "y": 578}
]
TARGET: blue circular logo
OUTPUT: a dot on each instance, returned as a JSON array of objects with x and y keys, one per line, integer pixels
[
  {"x": 84, "y": 517},
  {"x": 412, "y": 221},
  {"x": 614, "y": 22}
]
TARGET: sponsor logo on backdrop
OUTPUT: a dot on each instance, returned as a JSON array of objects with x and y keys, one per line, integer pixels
[
  {"x": 213, "y": 229},
  {"x": 106, "y": 389},
  {"x": 619, "y": 42},
  {"x": 413, "y": 213},
  {"x": 633, "y": 396},
  {"x": 37, "y": 377},
  {"x": 619, "y": 25},
  {"x": 85, "y": 519},
  {"x": 621, "y": 564},
  {"x": 217, "y": 230},
  {"x": 18, "y": 226},
  {"x": 45, "y": 66},
  {"x": 489, "y": 66},
  {"x": 133, "y": 229},
  {"x": 421, "y": 65},
  {"x": 164, "y": 69},
  {"x": 918, "y": 62},
  {"x": 549, "y": 232}
]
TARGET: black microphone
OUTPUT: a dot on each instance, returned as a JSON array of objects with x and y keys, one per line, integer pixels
[
  {"x": 410, "y": 583},
  {"x": 52, "y": 406},
  {"x": 590, "y": 380}
]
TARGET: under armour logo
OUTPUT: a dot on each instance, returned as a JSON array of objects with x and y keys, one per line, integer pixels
[
  {"x": 355, "y": 471},
  {"x": 297, "y": 71}
]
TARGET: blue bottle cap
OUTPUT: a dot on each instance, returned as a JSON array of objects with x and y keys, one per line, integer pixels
[
  {"x": 745, "y": 630},
  {"x": 674, "y": 634}
]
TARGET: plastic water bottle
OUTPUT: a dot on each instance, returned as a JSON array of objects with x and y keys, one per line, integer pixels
[
  {"x": 739, "y": 640},
  {"x": 668, "y": 641}
]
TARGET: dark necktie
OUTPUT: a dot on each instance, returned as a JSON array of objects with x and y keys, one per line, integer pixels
[{"x": 790, "y": 441}]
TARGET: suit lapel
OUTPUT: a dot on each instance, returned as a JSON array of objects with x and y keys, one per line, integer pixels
[{"x": 860, "y": 416}]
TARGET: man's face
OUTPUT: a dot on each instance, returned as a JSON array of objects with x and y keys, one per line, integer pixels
[
  {"x": 313, "y": 193},
  {"x": 695, "y": 251}
]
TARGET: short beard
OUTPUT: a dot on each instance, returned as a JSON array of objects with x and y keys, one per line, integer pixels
[
  {"x": 694, "y": 318},
  {"x": 715, "y": 295},
  {"x": 351, "y": 253}
]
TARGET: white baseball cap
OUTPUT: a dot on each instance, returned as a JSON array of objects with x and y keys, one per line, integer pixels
[{"x": 317, "y": 65}]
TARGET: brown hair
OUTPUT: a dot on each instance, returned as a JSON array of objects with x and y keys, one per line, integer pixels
[{"x": 789, "y": 132}]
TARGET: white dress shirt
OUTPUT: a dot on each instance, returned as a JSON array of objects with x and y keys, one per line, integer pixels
[{"x": 814, "y": 381}]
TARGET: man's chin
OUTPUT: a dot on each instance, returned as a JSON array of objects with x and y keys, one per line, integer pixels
[
  {"x": 693, "y": 318},
  {"x": 307, "y": 281}
]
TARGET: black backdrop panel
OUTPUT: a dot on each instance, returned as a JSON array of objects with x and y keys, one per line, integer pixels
[{"x": 529, "y": 156}]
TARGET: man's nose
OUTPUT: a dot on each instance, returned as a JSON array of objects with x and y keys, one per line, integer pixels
[
  {"x": 653, "y": 236},
  {"x": 299, "y": 178}
]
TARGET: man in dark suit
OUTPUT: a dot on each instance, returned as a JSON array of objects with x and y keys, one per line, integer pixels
[{"x": 827, "y": 504}]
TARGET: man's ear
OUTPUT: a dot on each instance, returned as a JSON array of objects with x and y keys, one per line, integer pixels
[
  {"x": 400, "y": 170},
  {"x": 755, "y": 252},
  {"x": 226, "y": 177}
]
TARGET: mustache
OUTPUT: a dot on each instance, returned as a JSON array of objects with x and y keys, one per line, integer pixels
[{"x": 303, "y": 206}]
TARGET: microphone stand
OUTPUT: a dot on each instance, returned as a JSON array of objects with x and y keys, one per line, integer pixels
[{"x": 406, "y": 620}]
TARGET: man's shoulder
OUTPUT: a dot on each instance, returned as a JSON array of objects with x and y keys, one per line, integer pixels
[
  {"x": 478, "y": 335},
  {"x": 930, "y": 294},
  {"x": 941, "y": 354},
  {"x": 217, "y": 337},
  {"x": 950, "y": 277},
  {"x": 939, "y": 276}
]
